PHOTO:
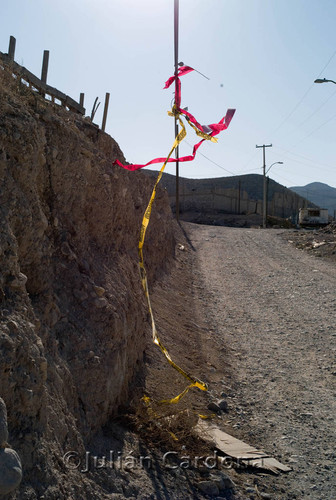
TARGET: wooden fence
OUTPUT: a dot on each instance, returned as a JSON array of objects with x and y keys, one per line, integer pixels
[{"x": 39, "y": 85}]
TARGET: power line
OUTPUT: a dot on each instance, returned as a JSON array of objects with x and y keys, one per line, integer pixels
[
  {"x": 333, "y": 55},
  {"x": 293, "y": 110},
  {"x": 315, "y": 130},
  {"x": 303, "y": 97},
  {"x": 209, "y": 159},
  {"x": 291, "y": 182},
  {"x": 252, "y": 158},
  {"x": 282, "y": 177},
  {"x": 318, "y": 109},
  {"x": 317, "y": 163},
  {"x": 241, "y": 172}
]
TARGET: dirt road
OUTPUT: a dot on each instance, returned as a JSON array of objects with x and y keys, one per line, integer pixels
[{"x": 271, "y": 310}]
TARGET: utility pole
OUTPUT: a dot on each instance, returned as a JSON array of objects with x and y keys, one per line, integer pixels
[
  {"x": 176, "y": 36},
  {"x": 267, "y": 185},
  {"x": 264, "y": 184}
]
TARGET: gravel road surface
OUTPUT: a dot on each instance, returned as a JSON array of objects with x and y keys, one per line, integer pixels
[{"x": 271, "y": 308}]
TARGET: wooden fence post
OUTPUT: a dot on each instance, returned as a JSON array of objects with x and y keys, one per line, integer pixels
[
  {"x": 107, "y": 99},
  {"x": 45, "y": 63},
  {"x": 11, "y": 48}
]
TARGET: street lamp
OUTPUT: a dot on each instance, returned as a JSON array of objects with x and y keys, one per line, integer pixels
[
  {"x": 269, "y": 168},
  {"x": 323, "y": 80},
  {"x": 265, "y": 194}
]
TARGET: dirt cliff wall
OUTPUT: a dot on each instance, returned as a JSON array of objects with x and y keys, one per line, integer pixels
[{"x": 72, "y": 313}]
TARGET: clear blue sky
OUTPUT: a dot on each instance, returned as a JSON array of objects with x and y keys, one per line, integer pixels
[{"x": 261, "y": 56}]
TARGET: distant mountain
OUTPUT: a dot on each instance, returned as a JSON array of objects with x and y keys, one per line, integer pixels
[{"x": 319, "y": 193}]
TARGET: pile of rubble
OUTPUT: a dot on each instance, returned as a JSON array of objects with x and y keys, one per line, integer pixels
[{"x": 319, "y": 242}]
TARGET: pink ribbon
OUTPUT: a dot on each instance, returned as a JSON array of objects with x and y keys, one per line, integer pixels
[
  {"x": 216, "y": 128},
  {"x": 183, "y": 70}
]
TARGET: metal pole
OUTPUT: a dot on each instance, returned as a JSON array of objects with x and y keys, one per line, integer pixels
[
  {"x": 264, "y": 184},
  {"x": 176, "y": 36}
]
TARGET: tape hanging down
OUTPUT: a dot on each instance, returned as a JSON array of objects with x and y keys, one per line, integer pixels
[
  {"x": 206, "y": 132},
  {"x": 143, "y": 274}
]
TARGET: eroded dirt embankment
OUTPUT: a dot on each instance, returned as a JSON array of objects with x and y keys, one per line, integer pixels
[
  {"x": 72, "y": 318},
  {"x": 241, "y": 310}
]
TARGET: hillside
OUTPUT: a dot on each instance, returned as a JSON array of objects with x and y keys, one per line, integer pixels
[
  {"x": 319, "y": 193},
  {"x": 251, "y": 183},
  {"x": 207, "y": 200},
  {"x": 72, "y": 313}
]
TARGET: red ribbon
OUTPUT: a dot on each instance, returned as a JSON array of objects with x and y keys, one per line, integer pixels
[
  {"x": 183, "y": 70},
  {"x": 215, "y": 127},
  {"x": 191, "y": 118}
]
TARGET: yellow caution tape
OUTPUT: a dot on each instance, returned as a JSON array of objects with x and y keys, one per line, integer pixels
[
  {"x": 205, "y": 136},
  {"x": 173, "y": 436},
  {"x": 151, "y": 412},
  {"x": 202, "y": 134},
  {"x": 145, "y": 221},
  {"x": 146, "y": 400}
]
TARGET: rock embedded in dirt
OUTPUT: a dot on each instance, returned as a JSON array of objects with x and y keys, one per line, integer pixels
[
  {"x": 3, "y": 424},
  {"x": 224, "y": 482},
  {"x": 17, "y": 282},
  {"x": 218, "y": 406},
  {"x": 10, "y": 464},
  {"x": 208, "y": 487},
  {"x": 99, "y": 290},
  {"x": 212, "y": 406},
  {"x": 223, "y": 405},
  {"x": 250, "y": 489},
  {"x": 10, "y": 470}
]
